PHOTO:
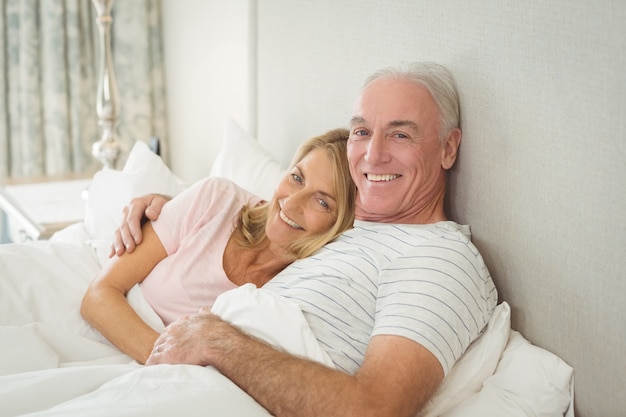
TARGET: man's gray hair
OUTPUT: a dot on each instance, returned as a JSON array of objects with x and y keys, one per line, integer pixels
[{"x": 438, "y": 81}]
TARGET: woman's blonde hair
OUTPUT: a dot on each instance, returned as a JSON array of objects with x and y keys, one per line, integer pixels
[{"x": 252, "y": 219}]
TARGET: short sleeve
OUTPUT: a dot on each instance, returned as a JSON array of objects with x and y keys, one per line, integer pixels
[{"x": 439, "y": 295}]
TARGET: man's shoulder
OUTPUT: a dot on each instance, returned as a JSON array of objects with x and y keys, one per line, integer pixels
[
  {"x": 422, "y": 231},
  {"x": 384, "y": 243}
]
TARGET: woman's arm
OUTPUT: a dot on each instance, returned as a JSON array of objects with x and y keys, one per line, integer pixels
[{"x": 105, "y": 306}]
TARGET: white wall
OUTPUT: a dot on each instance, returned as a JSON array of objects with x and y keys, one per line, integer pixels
[
  {"x": 541, "y": 175},
  {"x": 207, "y": 57}
]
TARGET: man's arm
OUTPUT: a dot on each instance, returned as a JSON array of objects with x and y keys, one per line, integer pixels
[
  {"x": 398, "y": 375},
  {"x": 128, "y": 235}
]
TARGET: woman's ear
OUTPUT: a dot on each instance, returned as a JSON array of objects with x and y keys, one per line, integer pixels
[{"x": 450, "y": 149}]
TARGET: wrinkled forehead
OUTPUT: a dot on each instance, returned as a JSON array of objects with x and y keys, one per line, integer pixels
[{"x": 388, "y": 100}]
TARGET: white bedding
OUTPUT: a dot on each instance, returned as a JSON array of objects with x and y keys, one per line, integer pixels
[{"x": 52, "y": 363}]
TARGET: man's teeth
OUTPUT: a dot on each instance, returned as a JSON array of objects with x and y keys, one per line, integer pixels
[
  {"x": 383, "y": 177},
  {"x": 289, "y": 221}
]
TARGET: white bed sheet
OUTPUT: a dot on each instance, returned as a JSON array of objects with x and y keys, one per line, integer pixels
[{"x": 53, "y": 363}]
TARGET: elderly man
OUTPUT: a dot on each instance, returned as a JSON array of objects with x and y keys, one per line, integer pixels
[{"x": 395, "y": 301}]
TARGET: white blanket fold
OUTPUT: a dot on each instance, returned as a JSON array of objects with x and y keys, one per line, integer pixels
[{"x": 52, "y": 363}]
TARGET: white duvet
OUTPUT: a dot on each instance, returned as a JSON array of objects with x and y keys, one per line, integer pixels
[{"x": 52, "y": 363}]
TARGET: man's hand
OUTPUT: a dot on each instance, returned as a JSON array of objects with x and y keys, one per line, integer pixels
[
  {"x": 396, "y": 379},
  {"x": 140, "y": 209},
  {"x": 189, "y": 340}
]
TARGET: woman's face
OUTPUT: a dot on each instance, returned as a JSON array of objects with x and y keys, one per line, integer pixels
[{"x": 305, "y": 201}]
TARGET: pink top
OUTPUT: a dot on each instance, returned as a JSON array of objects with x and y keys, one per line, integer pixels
[{"x": 194, "y": 228}]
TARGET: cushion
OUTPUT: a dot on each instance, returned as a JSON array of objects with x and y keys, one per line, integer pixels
[
  {"x": 477, "y": 363},
  {"x": 243, "y": 160},
  {"x": 110, "y": 190},
  {"x": 529, "y": 381}
]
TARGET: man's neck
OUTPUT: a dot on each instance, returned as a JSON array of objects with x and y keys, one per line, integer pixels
[
  {"x": 429, "y": 213},
  {"x": 423, "y": 217}
]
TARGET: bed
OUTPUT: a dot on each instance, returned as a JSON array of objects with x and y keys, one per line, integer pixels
[
  {"x": 540, "y": 178},
  {"x": 53, "y": 364}
]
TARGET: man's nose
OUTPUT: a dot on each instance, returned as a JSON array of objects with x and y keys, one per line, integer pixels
[{"x": 377, "y": 150}]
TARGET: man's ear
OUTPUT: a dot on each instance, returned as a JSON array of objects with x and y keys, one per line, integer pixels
[{"x": 450, "y": 149}]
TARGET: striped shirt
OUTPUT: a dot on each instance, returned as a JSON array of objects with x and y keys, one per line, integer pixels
[{"x": 427, "y": 283}]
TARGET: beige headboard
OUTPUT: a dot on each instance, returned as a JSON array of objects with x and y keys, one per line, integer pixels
[{"x": 542, "y": 170}]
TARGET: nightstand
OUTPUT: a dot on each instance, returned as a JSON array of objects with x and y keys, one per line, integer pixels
[{"x": 36, "y": 209}]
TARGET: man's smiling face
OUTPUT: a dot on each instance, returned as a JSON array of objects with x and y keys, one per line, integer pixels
[{"x": 394, "y": 152}]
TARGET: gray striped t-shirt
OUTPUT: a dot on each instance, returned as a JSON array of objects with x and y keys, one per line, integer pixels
[{"x": 424, "y": 282}]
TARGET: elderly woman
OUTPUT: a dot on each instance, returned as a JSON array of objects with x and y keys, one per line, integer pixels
[{"x": 216, "y": 236}]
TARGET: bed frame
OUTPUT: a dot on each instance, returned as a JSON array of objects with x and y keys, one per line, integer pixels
[{"x": 541, "y": 176}]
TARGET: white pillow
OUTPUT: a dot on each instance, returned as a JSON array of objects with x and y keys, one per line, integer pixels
[
  {"x": 110, "y": 190},
  {"x": 243, "y": 160},
  {"x": 529, "y": 381},
  {"x": 477, "y": 363}
]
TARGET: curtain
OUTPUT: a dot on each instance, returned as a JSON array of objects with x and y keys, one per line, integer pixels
[{"x": 48, "y": 82}]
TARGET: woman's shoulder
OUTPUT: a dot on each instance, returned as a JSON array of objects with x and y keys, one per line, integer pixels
[{"x": 222, "y": 188}]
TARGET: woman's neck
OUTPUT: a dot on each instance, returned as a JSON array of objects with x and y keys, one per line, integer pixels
[{"x": 257, "y": 266}]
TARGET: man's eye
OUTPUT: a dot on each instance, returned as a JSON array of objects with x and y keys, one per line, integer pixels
[
  {"x": 360, "y": 132},
  {"x": 401, "y": 135}
]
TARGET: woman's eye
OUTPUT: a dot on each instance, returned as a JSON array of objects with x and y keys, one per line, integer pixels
[
  {"x": 323, "y": 203},
  {"x": 296, "y": 178}
]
